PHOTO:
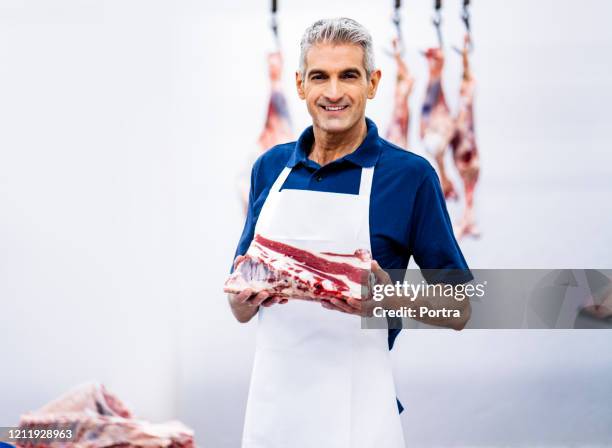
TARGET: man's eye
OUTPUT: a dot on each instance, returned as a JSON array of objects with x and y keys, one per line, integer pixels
[
  {"x": 350, "y": 75},
  {"x": 316, "y": 77}
]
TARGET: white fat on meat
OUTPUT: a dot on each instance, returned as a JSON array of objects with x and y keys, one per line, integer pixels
[
  {"x": 288, "y": 271},
  {"x": 99, "y": 419}
]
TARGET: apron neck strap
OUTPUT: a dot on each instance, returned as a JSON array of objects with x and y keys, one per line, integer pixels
[{"x": 365, "y": 185}]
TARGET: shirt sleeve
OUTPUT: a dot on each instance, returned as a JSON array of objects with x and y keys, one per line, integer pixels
[
  {"x": 249, "y": 224},
  {"x": 432, "y": 240}
]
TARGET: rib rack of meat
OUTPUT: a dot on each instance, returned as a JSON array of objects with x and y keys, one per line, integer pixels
[
  {"x": 437, "y": 125},
  {"x": 288, "y": 271},
  {"x": 404, "y": 81},
  {"x": 465, "y": 151},
  {"x": 98, "y": 419}
]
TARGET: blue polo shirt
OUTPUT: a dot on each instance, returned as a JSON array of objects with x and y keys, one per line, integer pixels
[{"x": 408, "y": 215}]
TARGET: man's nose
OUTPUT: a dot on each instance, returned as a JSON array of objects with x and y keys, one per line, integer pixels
[{"x": 333, "y": 91}]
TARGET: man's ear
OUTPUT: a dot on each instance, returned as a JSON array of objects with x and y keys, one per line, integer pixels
[
  {"x": 373, "y": 83},
  {"x": 299, "y": 84}
]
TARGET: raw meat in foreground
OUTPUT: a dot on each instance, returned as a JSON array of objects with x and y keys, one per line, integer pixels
[
  {"x": 99, "y": 419},
  {"x": 288, "y": 271}
]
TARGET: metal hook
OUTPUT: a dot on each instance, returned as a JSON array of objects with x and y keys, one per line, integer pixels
[
  {"x": 437, "y": 21},
  {"x": 398, "y": 45},
  {"x": 398, "y": 28},
  {"x": 274, "y": 27},
  {"x": 274, "y": 22},
  {"x": 465, "y": 16}
]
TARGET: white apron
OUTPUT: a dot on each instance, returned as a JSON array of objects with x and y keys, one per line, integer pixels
[{"x": 319, "y": 380}]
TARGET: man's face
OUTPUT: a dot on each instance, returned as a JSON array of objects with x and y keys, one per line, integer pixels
[{"x": 335, "y": 86}]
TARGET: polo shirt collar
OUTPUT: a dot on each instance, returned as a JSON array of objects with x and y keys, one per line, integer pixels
[{"x": 366, "y": 155}]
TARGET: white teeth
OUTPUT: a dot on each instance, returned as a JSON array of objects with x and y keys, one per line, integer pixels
[{"x": 334, "y": 107}]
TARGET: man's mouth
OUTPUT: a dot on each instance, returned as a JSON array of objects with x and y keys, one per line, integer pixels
[{"x": 334, "y": 108}]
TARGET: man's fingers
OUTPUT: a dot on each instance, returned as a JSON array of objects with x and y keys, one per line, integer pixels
[
  {"x": 380, "y": 274},
  {"x": 243, "y": 296},
  {"x": 238, "y": 259},
  {"x": 264, "y": 298},
  {"x": 362, "y": 307},
  {"x": 259, "y": 298},
  {"x": 280, "y": 299},
  {"x": 341, "y": 304},
  {"x": 365, "y": 306},
  {"x": 270, "y": 301},
  {"x": 355, "y": 303},
  {"x": 328, "y": 306}
]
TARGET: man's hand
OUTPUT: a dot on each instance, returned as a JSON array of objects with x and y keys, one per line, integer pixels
[
  {"x": 364, "y": 307},
  {"x": 245, "y": 304},
  {"x": 349, "y": 306},
  {"x": 360, "y": 307}
]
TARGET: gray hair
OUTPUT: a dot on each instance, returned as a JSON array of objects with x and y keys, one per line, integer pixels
[{"x": 341, "y": 30}]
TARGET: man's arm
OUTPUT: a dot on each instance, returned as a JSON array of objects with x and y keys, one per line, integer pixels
[{"x": 448, "y": 303}]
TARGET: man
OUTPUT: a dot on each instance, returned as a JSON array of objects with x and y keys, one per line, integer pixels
[{"x": 319, "y": 380}]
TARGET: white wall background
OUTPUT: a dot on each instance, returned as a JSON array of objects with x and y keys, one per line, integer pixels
[{"x": 123, "y": 126}]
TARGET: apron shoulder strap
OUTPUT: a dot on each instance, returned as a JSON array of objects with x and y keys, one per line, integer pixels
[
  {"x": 365, "y": 186},
  {"x": 280, "y": 180}
]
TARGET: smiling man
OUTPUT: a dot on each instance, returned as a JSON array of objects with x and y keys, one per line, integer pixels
[{"x": 319, "y": 380}]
